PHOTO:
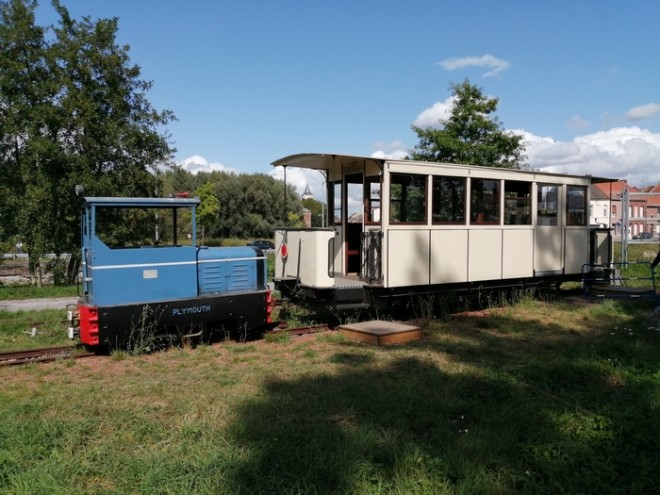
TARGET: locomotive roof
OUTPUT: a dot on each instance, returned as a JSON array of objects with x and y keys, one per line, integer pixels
[
  {"x": 328, "y": 161},
  {"x": 140, "y": 202}
]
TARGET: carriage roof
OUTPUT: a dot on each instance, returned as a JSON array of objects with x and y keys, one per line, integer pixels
[{"x": 334, "y": 162}]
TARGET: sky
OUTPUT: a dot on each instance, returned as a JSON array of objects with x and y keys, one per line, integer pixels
[{"x": 253, "y": 81}]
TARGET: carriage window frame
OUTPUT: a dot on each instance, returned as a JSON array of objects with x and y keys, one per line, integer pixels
[
  {"x": 337, "y": 202},
  {"x": 485, "y": 208},
  {"x": 576, "y": 206},
  {"x": 372, "y": 194},
  {"x": 547, "y": 211},
  {"x": 517, "y": 202},
  {"x": 449, "y": 200},
  {"x": 406, "y": 208}
]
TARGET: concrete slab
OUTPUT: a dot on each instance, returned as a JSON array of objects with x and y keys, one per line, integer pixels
[
  {"x": 379, "y": 332},
  {"x": 37, "y": 304}
]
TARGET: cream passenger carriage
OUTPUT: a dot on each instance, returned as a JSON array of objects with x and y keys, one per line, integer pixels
[{"x": 434, "y": 227}]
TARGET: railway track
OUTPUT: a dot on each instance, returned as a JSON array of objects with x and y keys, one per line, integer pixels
[
  {"x": 42, "y": 355},
  {"x": 282, "y": 328},
  {"x": 49, "y": 354}
]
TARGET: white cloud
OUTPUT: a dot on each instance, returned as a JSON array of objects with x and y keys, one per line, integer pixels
[
  {"x": 300, "y": 178},
  {"x": 196, "y": 163},
  {"x": 496, "y": 65},
  {"x": 394, "y": 155},
  {"x": 437, "y": 115},
  {"x": 642, "y": 112},
  {"x": 628, "y": 153},
  {"x": 395, "y": 150}
]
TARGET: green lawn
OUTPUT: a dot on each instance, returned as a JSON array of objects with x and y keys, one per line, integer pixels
[
  {"x": 539, "y": 397},
  {"x": 16, "y": 329},
  {"x": 26, "y": 292}
]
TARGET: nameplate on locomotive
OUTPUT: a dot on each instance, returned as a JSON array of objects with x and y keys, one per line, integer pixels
[{"x": 204, "y": 308}]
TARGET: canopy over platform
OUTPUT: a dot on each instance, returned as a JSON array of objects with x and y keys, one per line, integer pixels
[
  {"x": 323, "y": 161},
  {"x": 335, "y": 162}
]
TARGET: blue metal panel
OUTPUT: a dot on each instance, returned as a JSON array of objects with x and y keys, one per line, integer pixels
[
  {"x": 230, "y": 269},
  {"x": 144, "y": 274}
]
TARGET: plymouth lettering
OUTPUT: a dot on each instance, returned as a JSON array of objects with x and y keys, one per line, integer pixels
[{"x": 190, "y": 310}]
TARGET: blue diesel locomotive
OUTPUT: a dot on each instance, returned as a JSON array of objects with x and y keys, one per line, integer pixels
[{"x": 145, "y": 281}]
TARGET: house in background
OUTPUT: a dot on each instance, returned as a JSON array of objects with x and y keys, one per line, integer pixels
[
  {"x": 600, "y": 208},
  {"x": 606, "y": 207}
]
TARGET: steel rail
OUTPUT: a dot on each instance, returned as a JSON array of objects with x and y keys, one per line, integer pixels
[
  {"x": 301, "y": 330},
  {"x": 41, "y": 355}
]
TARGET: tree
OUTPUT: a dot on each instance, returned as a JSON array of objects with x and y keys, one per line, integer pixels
[
  {"x": 24, "y": 97},
  {"x": 73, "y": 110},
  {"x": 249, "y": 205},
  {"x": 317, "y": 209},
  {"x": 208, "y": 209},
  {"x": 470, "y": 135}
]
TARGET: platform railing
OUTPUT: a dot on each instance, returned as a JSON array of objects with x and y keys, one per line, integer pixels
[
  {"x": 634, "y": 279},
  {"x": 372, "y": 244}
]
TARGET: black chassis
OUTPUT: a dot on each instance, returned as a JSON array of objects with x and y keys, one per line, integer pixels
[{"x": 242, "y": 313}]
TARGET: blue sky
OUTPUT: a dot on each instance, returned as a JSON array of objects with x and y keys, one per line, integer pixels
[{"x": 253, "y": 81}]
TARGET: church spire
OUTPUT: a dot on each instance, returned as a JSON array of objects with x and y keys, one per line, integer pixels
[{"x": 308, "y": 193}]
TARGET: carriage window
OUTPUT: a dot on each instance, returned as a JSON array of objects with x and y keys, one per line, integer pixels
[
  {"x": 576, "y": 205},
  {"x": 337, "y": 203},
  {"x": 484, "y": 202},
  {"x": 547, "y": 204},
  {"x": 372, "y": 201},
  {"x": 407, "y": 198},
  {"x": 448, "y": 200},
  {"x": 517, "y": 203}
]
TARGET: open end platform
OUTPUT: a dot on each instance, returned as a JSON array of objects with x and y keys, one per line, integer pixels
[
  {"x": 377, "y": 332},
  {"x": 620, "y": 291}
]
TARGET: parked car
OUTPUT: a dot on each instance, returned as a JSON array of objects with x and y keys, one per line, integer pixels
[
  {"x": 643, "y": 236},
  {"x": 262, "y": 244}
]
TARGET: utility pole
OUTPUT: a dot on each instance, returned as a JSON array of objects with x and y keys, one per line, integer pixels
[{"x": 625, "y": 223}]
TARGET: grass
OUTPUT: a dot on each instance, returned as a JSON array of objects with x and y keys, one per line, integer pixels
[
  {"x": 535, "y": 397},
  {"x": 637, "y": 251},
  {"x": 16, "y": 292},
  {"x": 16, "y": 329}
]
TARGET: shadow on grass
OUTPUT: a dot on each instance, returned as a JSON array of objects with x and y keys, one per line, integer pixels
[{"x": 501, "y": 412}]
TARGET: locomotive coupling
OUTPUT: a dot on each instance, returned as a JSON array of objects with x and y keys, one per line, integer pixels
[{"x": 72, "y": 316}]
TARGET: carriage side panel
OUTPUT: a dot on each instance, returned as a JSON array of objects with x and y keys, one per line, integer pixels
[
  {"x": 449, "y": 255},
  {"x": 548, "y": 250},
  {"x": 518, "y": 253},
  {"x": 408, "y": 260},
  {"x": 485, "y": 252}
]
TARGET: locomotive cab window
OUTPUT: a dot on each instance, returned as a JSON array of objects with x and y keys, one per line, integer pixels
[
  {"x": 484, "y": 202},
  {"x": 407, "y": 198},
  {"x": 576, "y": 205},
  {"x": 517, "y": 203},
  {"x": 141, "y": 227},
  {"x": 448, "y": 198}
]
